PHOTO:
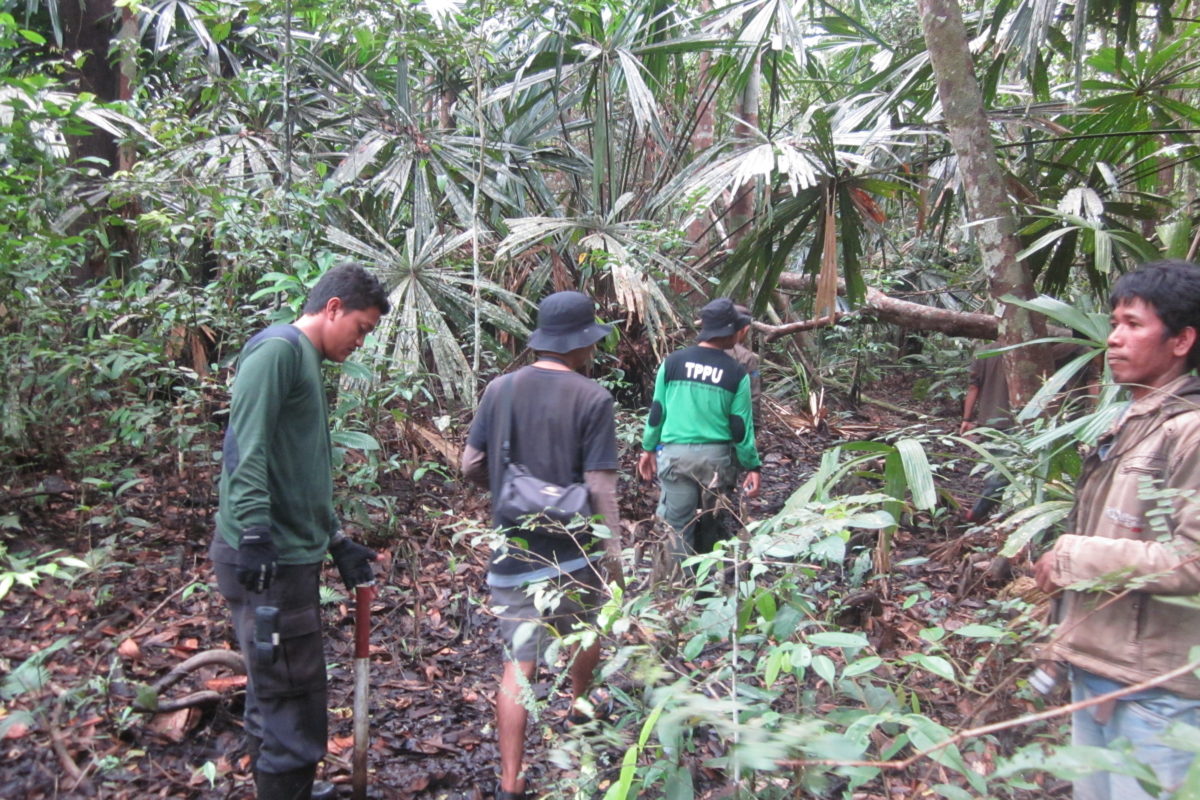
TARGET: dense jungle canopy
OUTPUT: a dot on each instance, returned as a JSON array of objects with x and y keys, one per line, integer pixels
[{"x": 882, "y": 182}]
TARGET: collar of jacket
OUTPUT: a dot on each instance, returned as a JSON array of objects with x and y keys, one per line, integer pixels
[{"x": 1178, "y": 396}]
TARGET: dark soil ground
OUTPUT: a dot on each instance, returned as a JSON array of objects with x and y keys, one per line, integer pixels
[{"x": 149, "y": 603}]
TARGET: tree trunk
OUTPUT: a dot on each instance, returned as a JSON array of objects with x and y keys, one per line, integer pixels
[
  {"x": 984, "y": 190},
  {"x": 741, "y": 207},
  {"x": 88, "y": 28},
  {"x": 701, "y": 139}
]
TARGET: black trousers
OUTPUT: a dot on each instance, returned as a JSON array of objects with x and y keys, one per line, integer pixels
[{"x": 286, "y": 700}]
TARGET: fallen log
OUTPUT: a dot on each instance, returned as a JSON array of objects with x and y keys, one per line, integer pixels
[{"x": 886, "y": 308}]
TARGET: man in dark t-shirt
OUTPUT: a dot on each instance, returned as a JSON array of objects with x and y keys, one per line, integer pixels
[
  {"x": 562, "y": 430},
  {"x": 986, "y": 405}
]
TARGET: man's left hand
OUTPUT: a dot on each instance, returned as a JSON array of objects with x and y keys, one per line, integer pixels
[
  {"x": 1043, "y": 573},
  {"x": 353, "y": 561},
  {"x": 647, "y": 465},
  {"x": 751, "y": 483}
]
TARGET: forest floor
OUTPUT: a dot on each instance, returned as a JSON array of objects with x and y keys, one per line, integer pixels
[{"x": 74, "y": 653}]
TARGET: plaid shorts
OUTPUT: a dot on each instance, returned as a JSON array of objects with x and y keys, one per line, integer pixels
[{"x": 566, "y": 602}]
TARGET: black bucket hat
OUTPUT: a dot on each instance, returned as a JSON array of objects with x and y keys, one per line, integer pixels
[
  {"x": 721, "y": 318},
  {"x": 567, "y": 321}
]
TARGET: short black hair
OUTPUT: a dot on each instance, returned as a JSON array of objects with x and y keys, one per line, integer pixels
[
  {"x": 353, "y": 285},
  {"x": 1172, "y": 288}
]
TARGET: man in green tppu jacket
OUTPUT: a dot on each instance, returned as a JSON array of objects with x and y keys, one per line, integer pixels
[
  {"x": 700, "y": 430},
  {"x": 276, "y": 522}
]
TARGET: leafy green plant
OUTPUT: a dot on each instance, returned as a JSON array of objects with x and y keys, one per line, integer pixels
[
  {"x": 906, "y": 477},
  {"x": 772, "y": 692},
  {"x": 28, "y": 570}
]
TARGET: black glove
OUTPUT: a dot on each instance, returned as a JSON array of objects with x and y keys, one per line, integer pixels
[
  {"x": 256, "y": 559},
  {"x": 353, "y": 561}
]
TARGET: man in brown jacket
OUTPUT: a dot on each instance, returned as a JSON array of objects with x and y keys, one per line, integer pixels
[{"x": 1133, "y": 540}]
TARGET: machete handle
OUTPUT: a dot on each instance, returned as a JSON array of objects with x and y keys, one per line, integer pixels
[{"x": 363, "y": 595}]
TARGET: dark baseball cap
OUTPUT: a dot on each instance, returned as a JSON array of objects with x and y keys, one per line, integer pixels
[{"x": 721, "y": 318}]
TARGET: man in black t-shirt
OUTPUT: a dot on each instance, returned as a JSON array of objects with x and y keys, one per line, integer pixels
[{"x": 563, "y": 431}]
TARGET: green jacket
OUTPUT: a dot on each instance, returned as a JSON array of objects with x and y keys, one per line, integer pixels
[{"x": 702, "y": 396}]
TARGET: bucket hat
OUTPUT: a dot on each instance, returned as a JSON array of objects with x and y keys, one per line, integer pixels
[
  {"x": 721, "y": 318},
  {"x": 566, "y": 321}
]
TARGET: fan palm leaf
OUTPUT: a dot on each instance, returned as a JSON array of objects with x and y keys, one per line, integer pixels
[{"x": 432, "y": 299}]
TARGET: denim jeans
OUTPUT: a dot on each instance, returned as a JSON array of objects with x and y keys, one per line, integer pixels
[{"x": 1140, "y": 718}]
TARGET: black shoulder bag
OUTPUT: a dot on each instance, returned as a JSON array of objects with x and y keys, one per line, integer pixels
[{"x": 526, "y": 501}]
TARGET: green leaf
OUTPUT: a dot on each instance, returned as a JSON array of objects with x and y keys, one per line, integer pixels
[
  {"x": 356, "y": 370},
  {"x": 977, "y": 631},
  {"x": 774, "y": 665},
  {"x": 1094, "y": 326},
  {"x": 208, "y": 771},
  {"x": 786, "y": 621},
  {"x": 1073, "y": 762},
  {"x": 1031, "y": 521},
  {"x": 355, "y": 440},
  {"x": 934, "y": 634},
  {"x": 694, "y": 646},
  {"x": 765, "y": 603},
  {"x": 620, "y": 789},
  {"x": 146, "y": 699},
  {"x": 925, "y": 733},
  {"x": 838, "y": 639},
  {"x": 31, "y": 675},
  {"x": 679, "y": 785},
  {"x": 918, "y": 472},
  {"x": 824, "y": 666},
  {"x": 861, "y": 666},
  {"x": 935, "y": 664},
  {"x": 1190, "y": 788}
]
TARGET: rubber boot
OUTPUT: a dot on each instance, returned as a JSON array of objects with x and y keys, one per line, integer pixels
[
  {"x": 993, "y": 492},
  {"x": 296, "y": 784}
]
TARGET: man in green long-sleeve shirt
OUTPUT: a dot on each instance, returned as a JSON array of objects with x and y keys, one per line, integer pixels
[
  {"x": 276, "y": 522},
  {"x": 700, "y": 430}
]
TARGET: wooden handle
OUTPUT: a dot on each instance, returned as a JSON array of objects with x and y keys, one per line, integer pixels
[{"x": 363, "y": 595}]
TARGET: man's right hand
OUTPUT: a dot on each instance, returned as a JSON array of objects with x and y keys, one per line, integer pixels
[
  {"x": 751, "y": 483},
  {"x": 647, "y": 466},
  {"x": 257, "y": 559},
  {"x": 1043, "y": 572}
]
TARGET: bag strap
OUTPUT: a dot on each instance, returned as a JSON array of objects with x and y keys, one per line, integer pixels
[{"x": 506, "y": 420}]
